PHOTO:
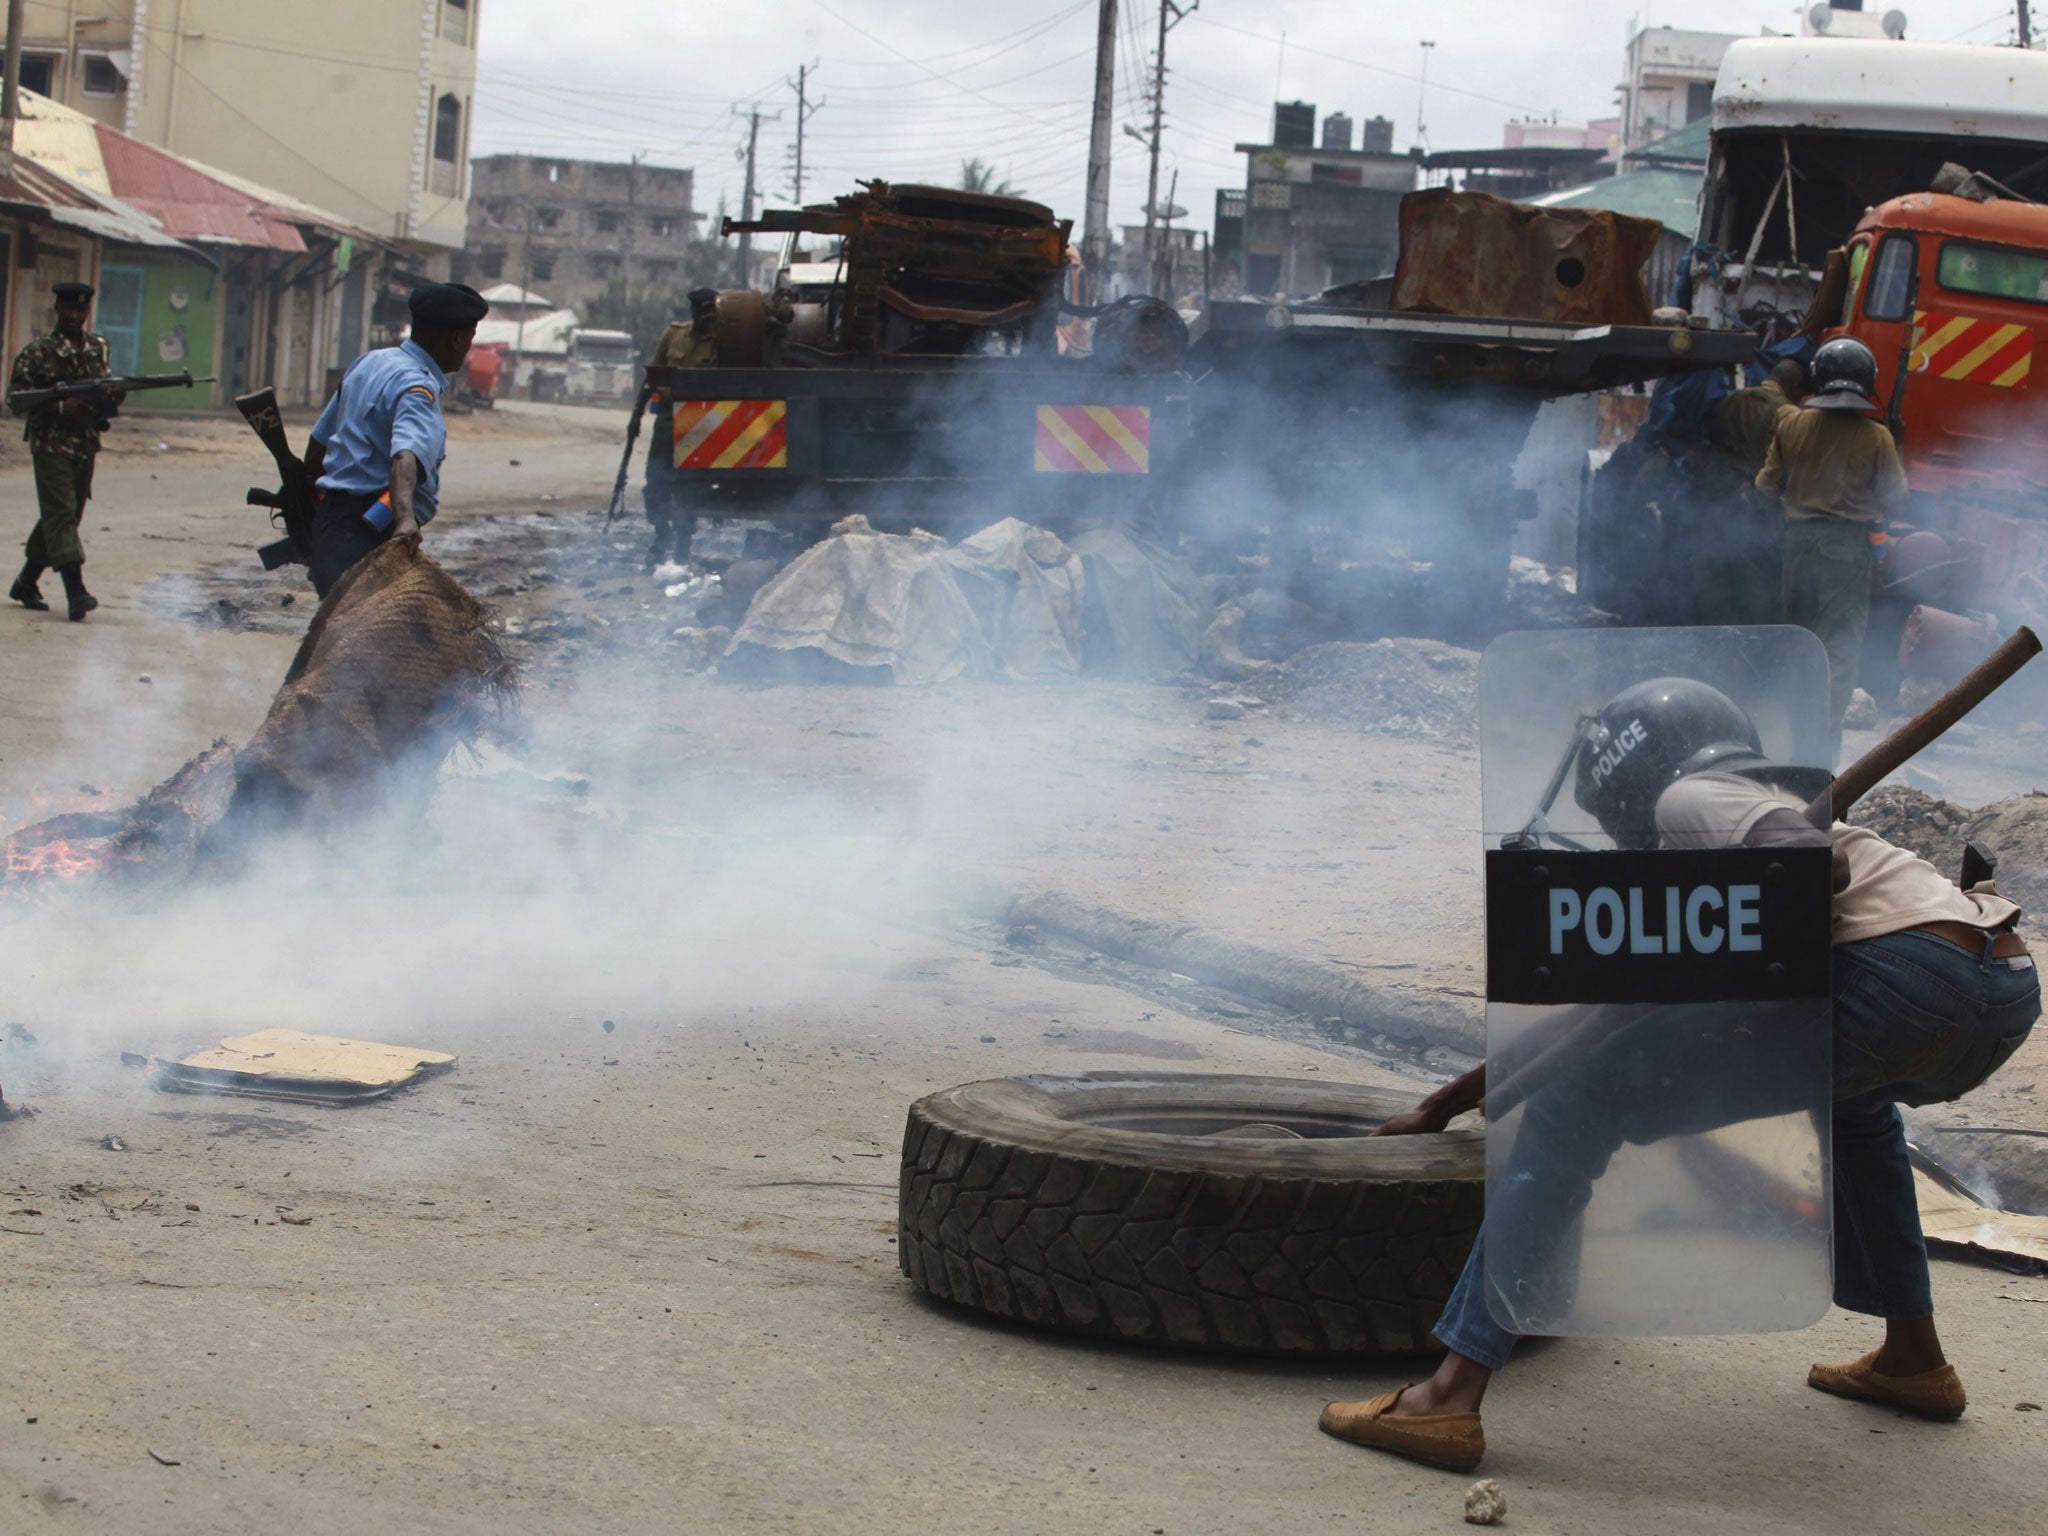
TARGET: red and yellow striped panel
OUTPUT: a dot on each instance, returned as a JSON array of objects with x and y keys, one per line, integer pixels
[
  {"x": 1093, "y": 440},
  {"x": 1964, "y": 348},
  {"x": 732, "y": 434}
]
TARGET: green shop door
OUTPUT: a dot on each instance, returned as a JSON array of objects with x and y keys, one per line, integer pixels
[{"x": 117, "y": 314}]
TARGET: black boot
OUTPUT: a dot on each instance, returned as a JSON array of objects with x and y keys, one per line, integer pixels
[
  {"x": 77, "y": 599},
  {"x": 24, "y": 589}
]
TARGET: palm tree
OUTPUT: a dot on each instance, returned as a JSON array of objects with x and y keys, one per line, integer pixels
[{"x": 977, "y": 175}]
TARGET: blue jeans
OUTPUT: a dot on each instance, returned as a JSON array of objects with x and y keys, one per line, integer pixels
[{"x": 1917, "y": 1020}]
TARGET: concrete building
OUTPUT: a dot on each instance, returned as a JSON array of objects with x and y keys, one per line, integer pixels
[
  {"x": 578, "y": 229},
  {"x": 360, "y": 107},
  {"x": 1668, "y": 81},
  {"x": 202, "y": 270},
  {"x": 1315, "y": 217}
]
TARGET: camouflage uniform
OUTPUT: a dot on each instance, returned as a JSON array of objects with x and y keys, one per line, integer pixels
[
  {"x": 679, "y": 347},
  {"x": 62, "y": 447}
]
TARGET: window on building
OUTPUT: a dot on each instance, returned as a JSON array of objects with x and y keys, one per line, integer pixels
[
  {"x": 607, "y": 223},
  {"x": 662, "y": 226},
  {"x": 604, "y": 264},
  {"x": 547, "y": 218},
  {"x": 1891, "y": 279},
  {"x": 542, "y": 267},
  {"x": 101, "y": 78},
  {"x": 660, "y": 271},
  {"x": 455, "y": 20},
  {"x": 1699, "y": 99},
  {"x": 491, "y": 265},
  {"x": 553, "y": 170},
  {"x": 448, "y": 129},
  {"x": 38, "y": 73}
]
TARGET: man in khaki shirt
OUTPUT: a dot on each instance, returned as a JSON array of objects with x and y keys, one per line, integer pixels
[
  {"x": 1933, "y": 992},
  {"x": 1736, "y": 531},
  {"x": 1837, "y": 471}
]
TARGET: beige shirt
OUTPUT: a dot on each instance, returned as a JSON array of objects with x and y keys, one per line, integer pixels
[
  {"x": 1889, "y": 889},
  {"x": 1834, "y": 464}
]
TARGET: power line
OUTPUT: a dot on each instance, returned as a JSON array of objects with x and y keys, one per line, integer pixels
[{"x": 1380, "y": 69}]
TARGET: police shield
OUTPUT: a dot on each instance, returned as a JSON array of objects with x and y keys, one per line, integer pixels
[{"x": 1658, "y": 966}]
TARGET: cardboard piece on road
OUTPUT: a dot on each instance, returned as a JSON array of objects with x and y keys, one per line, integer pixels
[
  {"x": 309, "y": 1069},
  {"x": 1953, "y": 1221}
]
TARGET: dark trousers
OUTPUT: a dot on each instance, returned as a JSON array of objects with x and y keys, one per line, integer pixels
[
  {"x": 341, "y": 537},
  {"x": 1827, "y": 590},
  {"x": 1917, "y": 1020},
  {"x": 62, "y": 487},
  {"x": 673, "y": 532}
]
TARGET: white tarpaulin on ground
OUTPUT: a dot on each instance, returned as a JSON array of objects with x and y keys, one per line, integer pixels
[
  {"x": 1011, "y": 601},
  {"x": 1026, "y": 586},
  {"x": 871, "y": 600},
  {"x": 1146, "y": 611}
]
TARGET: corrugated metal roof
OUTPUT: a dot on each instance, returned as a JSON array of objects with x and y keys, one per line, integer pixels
[
  {"x": 1688, "y": 145},
  {"x": 1672, "y": 198},
  {"x": 39, "y": 189},
  {"x": 189, "y": 203},
  {"x": 285, "y": 205}
]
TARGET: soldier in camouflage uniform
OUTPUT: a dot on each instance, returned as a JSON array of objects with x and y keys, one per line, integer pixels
[{"x": 63, "y": 439}]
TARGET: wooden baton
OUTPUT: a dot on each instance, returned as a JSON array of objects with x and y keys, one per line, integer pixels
[{"x": 1882, "y": 760}]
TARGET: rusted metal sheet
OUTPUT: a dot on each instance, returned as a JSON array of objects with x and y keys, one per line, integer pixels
[{"x": 1471, "y": 253}]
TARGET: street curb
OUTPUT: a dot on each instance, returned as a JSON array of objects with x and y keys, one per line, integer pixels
[{"x": 1341, "y": 1004}]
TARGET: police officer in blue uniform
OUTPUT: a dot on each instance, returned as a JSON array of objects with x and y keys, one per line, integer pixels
[{"x": 376, "y": 451}]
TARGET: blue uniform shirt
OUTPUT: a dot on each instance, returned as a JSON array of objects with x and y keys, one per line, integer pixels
[{"x": 389, "y": 402}]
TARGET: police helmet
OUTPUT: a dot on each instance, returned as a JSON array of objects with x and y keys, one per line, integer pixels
[
  {"x": 1648, "y": 737},
  {"x": 1844, "y": 375},
  {"x": 702, "y": 299}
]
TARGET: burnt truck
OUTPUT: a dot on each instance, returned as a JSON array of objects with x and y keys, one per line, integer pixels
[
  {"x": 940, "y": 376},
  {"x": 954, "y": 376},
  {"x": 1393, "y": 411}
]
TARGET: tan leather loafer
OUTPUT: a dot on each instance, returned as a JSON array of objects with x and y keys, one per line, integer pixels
[
  {"x": 1453, "y": 1441},
  {"x": 1935, "y": 1394}
]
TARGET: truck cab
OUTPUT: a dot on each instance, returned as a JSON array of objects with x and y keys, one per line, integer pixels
[
  {"x": 1955, "y": 291},
  {"x": 1811, "y": 133},
  {"x": 603, "y": 366}
]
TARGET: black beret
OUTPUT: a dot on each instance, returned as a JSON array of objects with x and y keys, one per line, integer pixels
[
  {"x": 72, "y": 293},
  {"x": 450, "y": 304},
  {"x": 699, "y": 297}
]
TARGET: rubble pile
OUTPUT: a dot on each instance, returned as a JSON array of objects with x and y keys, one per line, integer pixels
[
  {"x": 1418, "y": 688},
  {"x": 2015, "y": 830}
]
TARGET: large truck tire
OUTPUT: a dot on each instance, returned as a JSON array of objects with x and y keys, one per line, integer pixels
[{"x": 1241, "y": 1214}]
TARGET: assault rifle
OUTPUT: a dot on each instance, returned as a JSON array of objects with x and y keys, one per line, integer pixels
[
  {"x": 291, "y": 504},
  {"x": 99, "y": 393}
]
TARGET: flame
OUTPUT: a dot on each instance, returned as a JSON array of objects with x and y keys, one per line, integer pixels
[{"x": 56, "y": 859}]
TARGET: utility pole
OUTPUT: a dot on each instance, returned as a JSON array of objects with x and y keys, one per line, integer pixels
[
  {"x": 1162, "y": 275},
  {"x": 626, "y": 241},
  {"x": 805, "y": 107},
  {"x": 1095, "y": 219},
  {"x": 1170, "y": 15},
  {"x": 753, "y": 116},
  {"x": 2026, "y": 22},
  {"x": 10, "y": 93},
  {"x": 1422, "y": 97}
]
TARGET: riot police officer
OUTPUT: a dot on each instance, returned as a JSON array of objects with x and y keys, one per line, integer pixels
[
  {"x": 1674, "y": 763},
  {"x": 1837, "y": 471}
]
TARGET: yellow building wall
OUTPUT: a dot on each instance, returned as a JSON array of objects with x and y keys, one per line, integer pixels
[{"x": 323, "y": 99}]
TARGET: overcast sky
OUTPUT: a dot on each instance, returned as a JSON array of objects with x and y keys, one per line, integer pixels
[{"x": 910, "y": 88}]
